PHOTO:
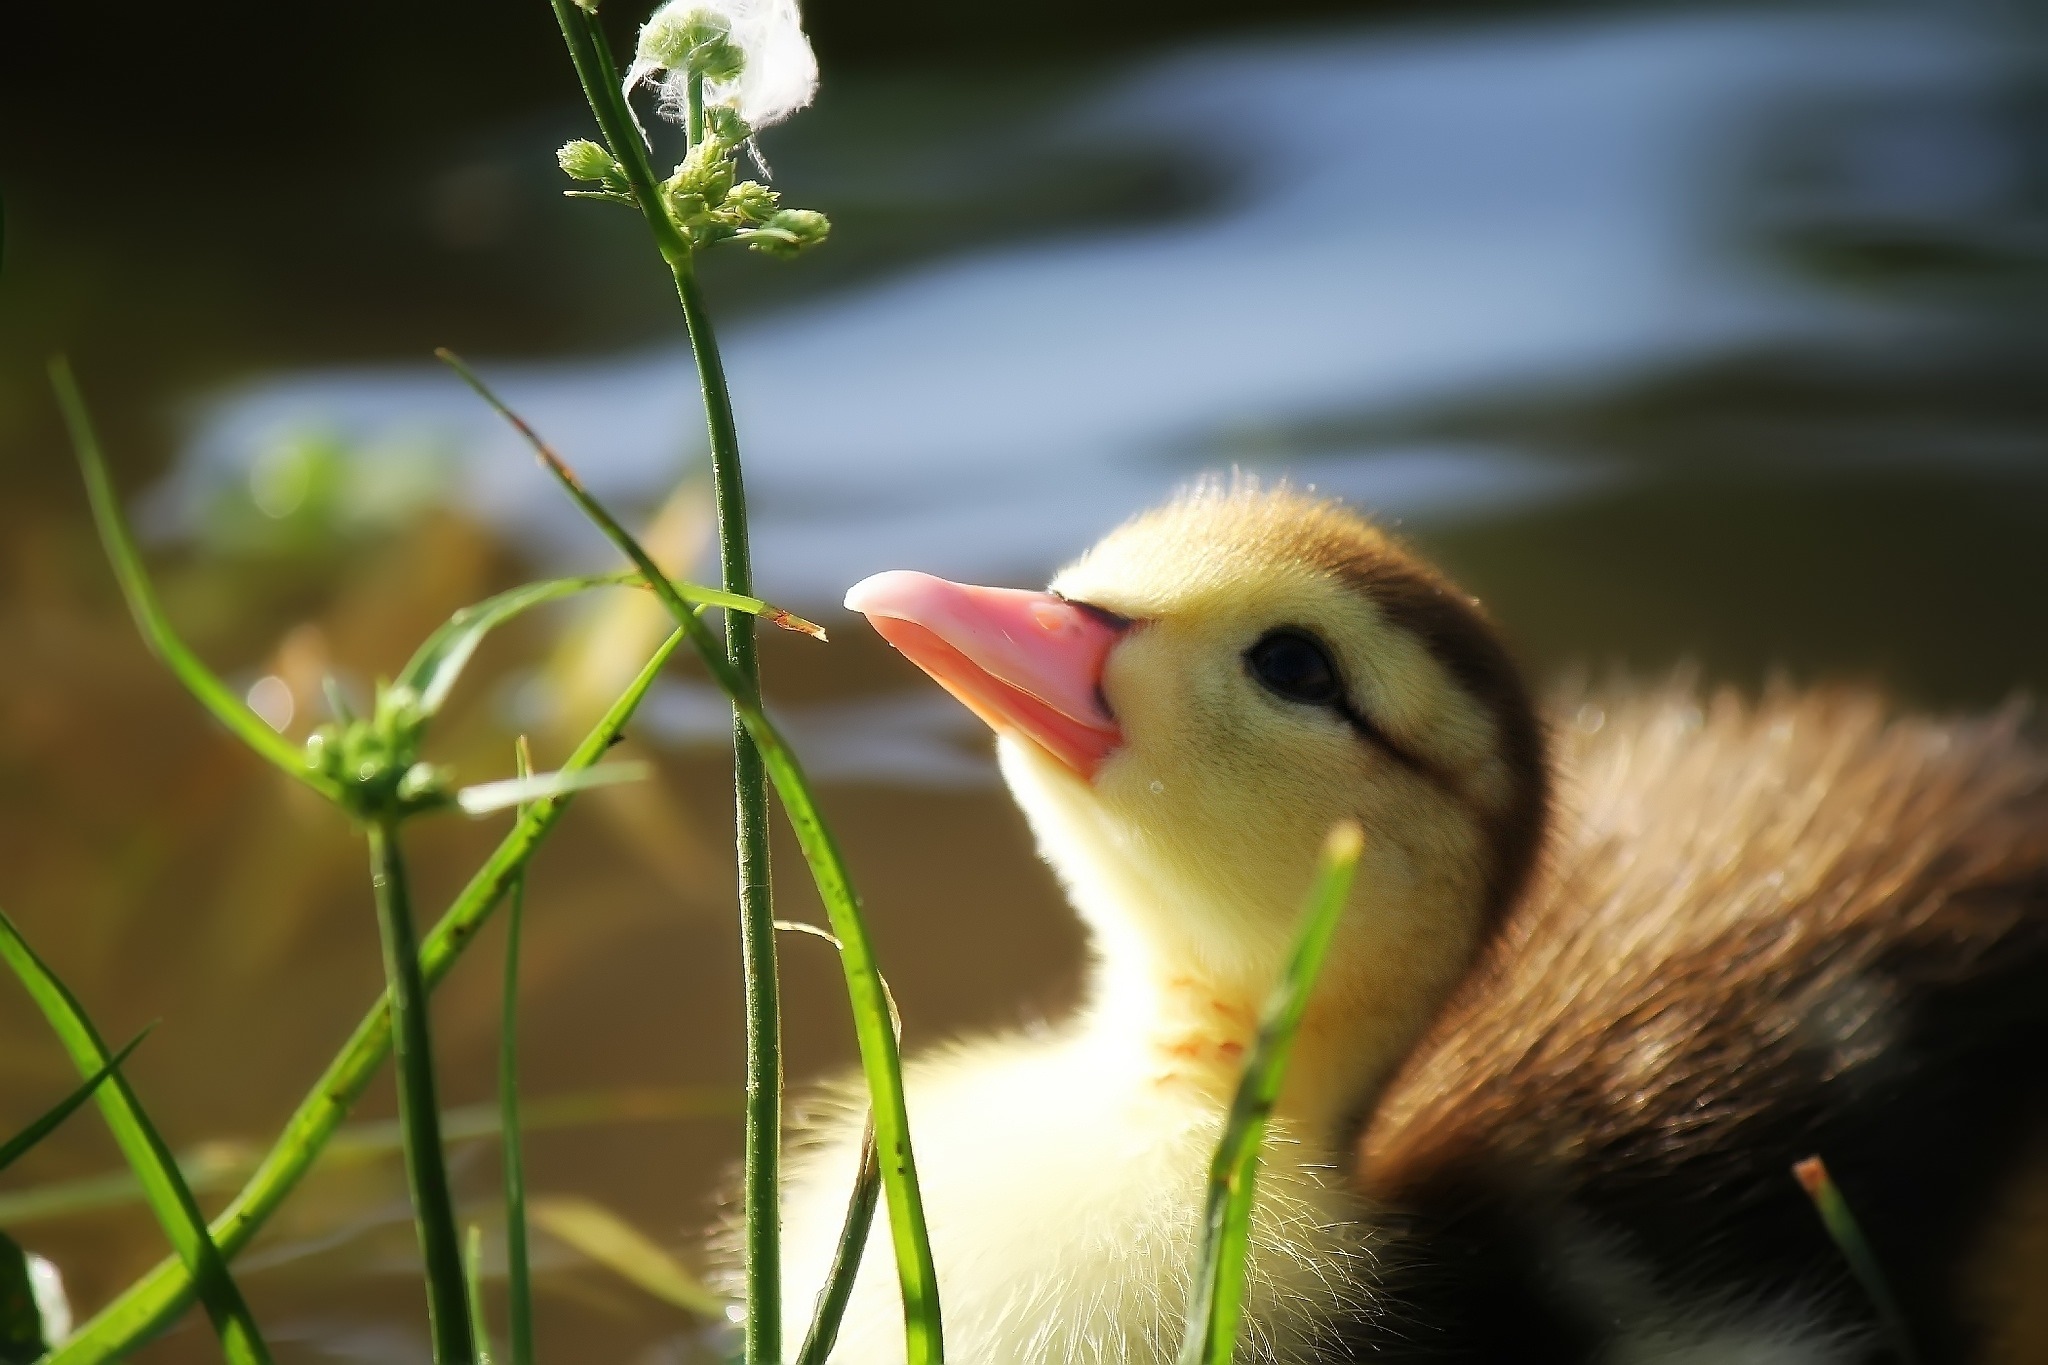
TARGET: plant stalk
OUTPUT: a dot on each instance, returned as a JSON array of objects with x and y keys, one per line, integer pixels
[
  {"x": 760, "y": 1202},
  {"x": 761, "y": 1206},
  {"x": 419, "y": 1108},
  {"x": 873, "y": 1015},
  {"x": 518, "y": 1268},
  {"x": 149, "y": 1304}
]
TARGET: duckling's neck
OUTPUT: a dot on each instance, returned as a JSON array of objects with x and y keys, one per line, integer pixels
[{"x": 1191, "y": 1029}]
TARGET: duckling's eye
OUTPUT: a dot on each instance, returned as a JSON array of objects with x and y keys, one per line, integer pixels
[{"x": 1294, "y": 665}]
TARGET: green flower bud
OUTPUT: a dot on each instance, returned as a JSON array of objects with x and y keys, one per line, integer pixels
[
  {"x": 706, "y": 171},
  {"x": 686, "y": 209},
  {"x": 749, "y": 202},
  {"x": 790, "y": 231},
  {"x": 583, "y": 159},
  {"x": 424, "y": 784},
  {"x": 697, "y": 43},
  {"x": 723, "y": 124}
]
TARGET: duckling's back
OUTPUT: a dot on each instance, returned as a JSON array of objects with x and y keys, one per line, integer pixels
[{"x": 1767, "y": 930}]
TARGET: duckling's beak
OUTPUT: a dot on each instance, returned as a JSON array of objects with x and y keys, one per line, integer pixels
[{"x": 1028, "y": 662}]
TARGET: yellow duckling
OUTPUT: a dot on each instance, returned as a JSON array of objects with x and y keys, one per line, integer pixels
[{"x": 1182, "y": 718}]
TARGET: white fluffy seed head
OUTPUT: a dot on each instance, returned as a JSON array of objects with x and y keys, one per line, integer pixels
[{"x": 778, "y": 76}]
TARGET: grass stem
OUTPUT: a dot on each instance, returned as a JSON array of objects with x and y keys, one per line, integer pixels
[
  {"x": 1847, "y": 1235},
  {"x": 761, "y": 1170},
  {"x": 518, "y": 1269},
  {"x": 149, "y": 1156},
  {"x": 473, "y": 1277},
  {"x": 761, "y": 1163},
  {"x": 24, "y": 1141},
  {"x": 149, "y": 1304},
  {"x": 874, "y": 1030},
  {"x": 1216, "y": 1307},
  {"x": 419, "y": 1106},
  {"x": 230, "y": 710}
]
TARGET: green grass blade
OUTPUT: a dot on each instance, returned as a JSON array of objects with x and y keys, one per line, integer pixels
[
  {"x": 434, "y": 667},
  {"x": 419, "y": 1106},
  {"x": 217, "y": 1166},
  {"x": 1216, "y": 1306},
  {"x": 473, "y": 1276},
  {"x": 881, "y": 1061},
  {"x": 15, "y": 1147},
  {"x": 590, "y": 52},
  {"x": 215, "y": 695},
  {"x": 617, "y": 1245},
  {"x": 148, "y": 1304},
  {"x": 830, "y": 1308},
  {"x": 485, "y": 797},
  {"x": 145, "y": 1149},
  {"x": 846, "y": 1256},
  {"x": 518, "y": 1266},
  {"x": 1847, "y": 1234}
]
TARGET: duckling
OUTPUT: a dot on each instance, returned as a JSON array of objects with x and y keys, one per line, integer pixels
[{"x": 1543, "y": 1046}]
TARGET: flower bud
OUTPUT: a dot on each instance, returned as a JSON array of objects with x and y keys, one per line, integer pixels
[
  {"x": 425, "y": 784},
  {"x": 583, "y": 159},
  {"x": 790, "y": 231},
  {"x": 749, "y": 202},
  {"x": 705, "y": 172},
  {"x": 692, "y": 41},
  {"x": 685, "y": 208},
  {"x": 723, "y": 123},
  {"x": 751, "y": 55}
]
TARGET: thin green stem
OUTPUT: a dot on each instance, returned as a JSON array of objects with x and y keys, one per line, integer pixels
[
  {"x": 24, "y": 1141},
  {"x": 419, "y": 1107},
  {"x": 1847, "y": 1235},
  {"x": 518, "y": 1270},
  {"x": 837, "y": 1291},
  {"x": 149, "y": 1304},
  {"x": 760, "y": 1201},
  {"x": 874, "y": 1031},
  {"x": 1216, "y": 1303},
  {"x": 598, "y": 74},
  {"x": 473, "y": 1283},
  {"x": 149, "y": 1156},
  {"x": 230, "y": 710},
  {"x": 829, "y": 1310}
]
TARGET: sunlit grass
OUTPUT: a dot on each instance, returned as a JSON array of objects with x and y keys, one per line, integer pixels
[
  {"x": 1216, "y": 1308},
  {"x": 148, "y": 1154}
]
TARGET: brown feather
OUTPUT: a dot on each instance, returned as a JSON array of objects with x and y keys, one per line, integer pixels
[{"x": 1755, "y": 918}]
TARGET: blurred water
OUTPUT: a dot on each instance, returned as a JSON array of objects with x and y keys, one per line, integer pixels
[{"x": 1408, "y": 226}]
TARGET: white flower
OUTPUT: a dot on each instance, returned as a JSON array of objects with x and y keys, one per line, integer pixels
[{"x": 777, "y": 76}]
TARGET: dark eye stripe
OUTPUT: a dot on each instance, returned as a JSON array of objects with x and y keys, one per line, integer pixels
[
  {"x": 1293, "y": 664},
  {"x": 1371, "y": 733}
]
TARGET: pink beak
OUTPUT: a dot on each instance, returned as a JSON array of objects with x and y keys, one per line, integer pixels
[{"x": 1024, "y": 661}]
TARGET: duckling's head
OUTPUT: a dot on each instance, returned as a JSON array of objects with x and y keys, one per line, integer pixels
[{"x": 1202, "y": 696}]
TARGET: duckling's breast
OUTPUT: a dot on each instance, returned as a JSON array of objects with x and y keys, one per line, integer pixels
[{"x": 1063, "y": 1178}]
